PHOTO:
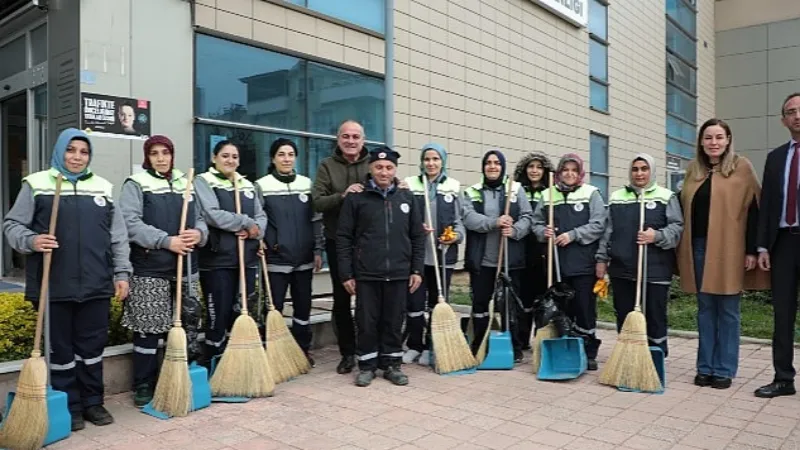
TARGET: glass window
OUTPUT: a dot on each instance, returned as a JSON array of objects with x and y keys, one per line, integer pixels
[
  {"x": 339, "y": 94},
  {"x": 679, "y": 129},
  {"x": 683, "y": 14},
  {"x": 681, "y": 74},
  {"x": 369, "y": 14},
  {"x": 598, "y": 95},
  {"x": 240, "y": 83},
  {"x": 598, "y": 162},
  {"x": 598, "y": 19},
  {"x": 681, "y": 44},
  {"x": 598, "y": 60},
  {"x": 681, "y": 104},
  {"x": 680, "y": 148},
  {"x": 39, "y": 45},
  {"x": 13, "y": 57}
]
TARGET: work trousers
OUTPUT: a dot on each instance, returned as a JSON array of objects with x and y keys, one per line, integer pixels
[
  {"x": 482, "y": 284},
  {"x": 380, "y": 307},
  {"x": 784, "y": 273},
  {"x": 654, "y": 308},
  {"x": 582, "y": 310},
  {"x": 300, "y": 283},
  {"x": 343, "y": 324},
  {"x": 424, "y": 298},
  {"x": 221, "y": 293}
]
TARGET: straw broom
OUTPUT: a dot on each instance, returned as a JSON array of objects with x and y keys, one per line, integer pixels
[
  {"x": 243, "y": 369},
  {"x": 481, "y": 354},
  {"x": 285, "y": 357},
  {"x": 549, "y": 331},
  {"x": 173, "y": 394},
  {"x": 26, "y": 425},
  {"x": 447, "y": 340},
  {"x": 630, "y": 364}
]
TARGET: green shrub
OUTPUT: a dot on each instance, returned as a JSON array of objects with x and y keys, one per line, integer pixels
[{"x": 18, "y": 325}]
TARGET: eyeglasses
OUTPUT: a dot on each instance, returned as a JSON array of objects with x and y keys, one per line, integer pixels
[{"x": 791, "y": 112}]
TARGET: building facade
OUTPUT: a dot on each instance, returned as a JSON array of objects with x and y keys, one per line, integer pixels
[{"x": 606, "y": 79}]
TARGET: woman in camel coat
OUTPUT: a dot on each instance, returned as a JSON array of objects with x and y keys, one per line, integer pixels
[{"x": 717, "y": 252}]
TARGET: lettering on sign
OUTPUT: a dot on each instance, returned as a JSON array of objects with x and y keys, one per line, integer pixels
[{"x": 575, "y": 12}]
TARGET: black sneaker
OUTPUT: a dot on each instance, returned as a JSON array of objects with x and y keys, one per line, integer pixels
[
  {"x": 311, "y": 361},
  {"x": 98, "y": 415},
  {"x": 346, "y": 365},
  {"x": 395, "y": 376},
  {"x": 720, "y": 382},
  {"x": 364, "y": 378},
  {"x": 703, "y": 380},
  {"x": 77, "y": 422},
  {"x": 142, "y": 395},
  {"x": 591, "y": 365}
]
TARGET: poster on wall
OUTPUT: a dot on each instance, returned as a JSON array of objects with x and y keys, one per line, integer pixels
[{"x": 115, "y": 117}]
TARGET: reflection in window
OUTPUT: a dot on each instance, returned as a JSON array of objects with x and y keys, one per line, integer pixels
[
  {"x": 681, "y": 73},
  {"x": 681, "y": 104},
  {"x": 240, "y": 83},
  {"x": 683, "y": 14},
  {"x": 598, "y": 95},
  {"x": 39, "y": 45},
  {"x": 370, "y": 14},
  {"x": 598, "y": 19},
  {"x": 598, "y": 163},
  {"x": 13, "y": 57},
  {"x": 598, "y": 55},
  {"x": 598, "y": 60},
  {"x": 680, "y": 43}
]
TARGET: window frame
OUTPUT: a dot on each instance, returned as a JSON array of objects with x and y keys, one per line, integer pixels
[
  {"x": 606, "y": 84},
  {"x": 594, "y": 173}
]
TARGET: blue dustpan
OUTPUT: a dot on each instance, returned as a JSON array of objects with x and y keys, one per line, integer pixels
[
  {"x": 563, "y": 358},
  {"x": 658, "y": 360},
  {"x": 501, "y": 352},
  {"x": 201, "y": 392},
  {"x": 214, "y": 361},
  {"x": 59, "y": 420}
]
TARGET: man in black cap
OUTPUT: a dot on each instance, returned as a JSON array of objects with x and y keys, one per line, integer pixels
[{"x": 380, "y": 245}]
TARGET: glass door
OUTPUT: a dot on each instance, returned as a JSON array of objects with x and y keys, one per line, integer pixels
[{"x": 14, "y": 167}]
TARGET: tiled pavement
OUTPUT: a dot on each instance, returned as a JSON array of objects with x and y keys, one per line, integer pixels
[{"x": 487, "y": 410}]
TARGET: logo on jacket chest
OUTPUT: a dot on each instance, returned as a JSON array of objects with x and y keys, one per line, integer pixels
[
  {"x": 99, "y": 200},
  {"x": 303, "y": 198},
  {"x": 448, "y": 198},
  {"x": 249, "y": 194},
  {"x": 578, "y": 207},
  {"x": 650, "y": 205},
  {"x": 405, "y": 208}
]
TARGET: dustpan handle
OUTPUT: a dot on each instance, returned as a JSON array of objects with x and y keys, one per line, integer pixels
[
  {"x": 506, "y": 319},
  {"x": 556, "y": 263},
  {"x": 47, "y": 334},
  {"x": 551, "y": 240}
]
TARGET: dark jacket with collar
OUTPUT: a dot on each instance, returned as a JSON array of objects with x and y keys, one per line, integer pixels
[
  {"x": 380, "y": 236},
  {"x": 334, "y": 175},
  {"x": 772, "y": 197}
]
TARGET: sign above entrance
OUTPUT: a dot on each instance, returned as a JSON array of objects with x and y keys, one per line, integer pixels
[
  {"x": 575, "y": 12},
  {"x": 115, "y": 117}
]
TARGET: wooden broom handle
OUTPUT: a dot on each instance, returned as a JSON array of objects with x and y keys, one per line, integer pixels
[
  {"x": 48, "y": 259},
  {"x": 638, "y": 306},
  {"x": 429, "y": 222},
  {"x": 502, "y": 240},
  {"x": 187, "y": 194},
  {"x": 240, "y": 242},
  {"x": 550, "y": 222},
  {"x": 265, "y": 273}
]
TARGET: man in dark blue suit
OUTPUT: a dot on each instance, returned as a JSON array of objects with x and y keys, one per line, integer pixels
[{"x": 778, "y": 241}]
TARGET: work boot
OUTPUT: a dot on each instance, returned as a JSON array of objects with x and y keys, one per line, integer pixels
[
  {"x": 98, "y": 415},
  {"x": 142, "y": 395},
  {"x": 591, "y": 364},
  {"x": 346, "y": 364},
  {"x": 396, "y": 376},
  {"x": 311, "y": 361},
  {"x": 365, "y": 377},
  {"x": 77, "y": 422}
]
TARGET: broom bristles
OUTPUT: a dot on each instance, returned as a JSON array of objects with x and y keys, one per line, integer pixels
[
  {"x": 630, "y": 364},
  {"x": 243, "y": 369},
  {"x": 285, "y": 357},
  {"x": 26, "y": 426},
  {"x": 549, "y": 331},
  {"x": 173, "y": 394},
  {"x": 449, "y": 345}
]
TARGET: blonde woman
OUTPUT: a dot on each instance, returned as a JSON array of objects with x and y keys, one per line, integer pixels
[{"x": 717, "y": 252}]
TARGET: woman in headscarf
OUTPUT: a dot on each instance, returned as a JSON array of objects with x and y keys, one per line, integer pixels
[
  {"x": 445, "y": 209},
  {"x": 619, "y": 247},
  {"x": 293, "y": 238},
  {"x": 486, "y": 225},
  {"x": 151, "y": 202},
  {"x": 89, "y": 266},
  {"x": 717, "y": 253},
  {"x": 580, "y": 219},
  {"x": 219, "y": 258},
  {"x": 532, "y": 173}
]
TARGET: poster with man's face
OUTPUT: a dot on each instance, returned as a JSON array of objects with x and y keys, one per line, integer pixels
[{"x": 116, "y": 117}]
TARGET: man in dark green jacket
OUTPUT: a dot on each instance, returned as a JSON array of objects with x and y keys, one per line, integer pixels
[{"x": 337, "y": 176}]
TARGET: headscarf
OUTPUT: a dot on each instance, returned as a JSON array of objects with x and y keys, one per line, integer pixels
[
  {"x": 60, "y": 150},
  {"x": 521, "y": 171},
  {"x": 158, "y": 140},
  {"x": 499, "y": 181},
  {"x": 432, "y": 185},
  {"x": 570, "y": 157},
  {"x": 651, "y": 162}
]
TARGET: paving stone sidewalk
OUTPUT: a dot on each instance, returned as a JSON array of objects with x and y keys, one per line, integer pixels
[{"x": 486, "y": 410}]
